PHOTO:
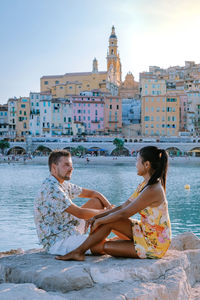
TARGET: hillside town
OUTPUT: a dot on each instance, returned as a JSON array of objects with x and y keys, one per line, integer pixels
[{"x": 164, "y": 104}]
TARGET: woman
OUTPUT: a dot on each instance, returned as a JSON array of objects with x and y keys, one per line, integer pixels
[{"x": 148, "y": 238}]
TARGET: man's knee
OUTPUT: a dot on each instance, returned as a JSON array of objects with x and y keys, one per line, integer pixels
[{"x": 97, "y": 203}]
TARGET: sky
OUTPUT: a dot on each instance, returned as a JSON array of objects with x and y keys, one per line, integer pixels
[{"x": 54, "y": 37}]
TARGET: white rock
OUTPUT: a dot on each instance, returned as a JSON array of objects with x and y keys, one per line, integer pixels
[
  {"x": 173, "y": 277},
  {"x": 185, "y": 241},
  {"x": 26, "y": 291}
]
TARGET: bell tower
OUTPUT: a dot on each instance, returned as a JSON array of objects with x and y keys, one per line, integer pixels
[
  {"x": 113, "y": 59},
  {"x": 95, "y": 66}
]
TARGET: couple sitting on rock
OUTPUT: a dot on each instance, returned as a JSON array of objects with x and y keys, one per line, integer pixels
[{"x": 61, "y": 225}]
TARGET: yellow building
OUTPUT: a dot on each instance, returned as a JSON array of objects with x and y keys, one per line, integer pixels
[
  {"x": 23, "y": 118},
  {"x": 160, "y": 109},
  {"x": 74, "y": 83}
]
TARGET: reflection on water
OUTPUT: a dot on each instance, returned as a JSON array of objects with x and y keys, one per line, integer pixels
[{"x": 20, "y": 183}]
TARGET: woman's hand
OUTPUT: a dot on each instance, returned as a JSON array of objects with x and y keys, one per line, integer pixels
[
  {"x": 94, "y": 225},
  {"x": 88, "y": 223}
]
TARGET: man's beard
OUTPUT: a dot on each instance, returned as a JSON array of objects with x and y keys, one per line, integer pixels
[{"x": 66, "y": 177}]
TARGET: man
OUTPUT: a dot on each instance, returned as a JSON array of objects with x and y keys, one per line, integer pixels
[{"x": 59, "y": 222}]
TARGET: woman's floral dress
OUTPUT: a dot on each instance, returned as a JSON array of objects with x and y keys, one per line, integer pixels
[{"x": 152, "y": 234}]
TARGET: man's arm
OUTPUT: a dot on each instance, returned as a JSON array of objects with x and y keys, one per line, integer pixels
[
  {"x": 94, "y": 194},
  {"x": 82, "y": 213}
]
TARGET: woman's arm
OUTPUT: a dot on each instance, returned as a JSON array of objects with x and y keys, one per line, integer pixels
[
  {"x": 146, "y": 198},
  {"x": 112, "y": 210}
]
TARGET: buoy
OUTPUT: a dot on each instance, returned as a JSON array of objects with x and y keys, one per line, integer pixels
[{"x": 187, "y": 186}]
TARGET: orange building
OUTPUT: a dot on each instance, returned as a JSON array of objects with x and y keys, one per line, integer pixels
[{"x": 113, "y": 114}]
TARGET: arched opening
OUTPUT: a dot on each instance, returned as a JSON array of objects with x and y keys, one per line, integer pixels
[
  {"x": 195, "y": 152},
  {"x": 174, "y": 151},
  {"x": 130, "y": 140},
  {"x": 96, "y": 151},
  {"x": 16, "y": 151},
  {"x": 120, "y": 152},
  {"x": 42, "y": 150}
]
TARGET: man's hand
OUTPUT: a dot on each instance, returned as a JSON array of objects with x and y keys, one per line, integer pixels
[{"x": 110, "y": 206}]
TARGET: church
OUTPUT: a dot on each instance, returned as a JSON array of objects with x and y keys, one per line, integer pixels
[{"x": 107, "y": 81}]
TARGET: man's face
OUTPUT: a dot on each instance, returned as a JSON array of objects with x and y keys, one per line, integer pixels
[{"x": 64, "y": 168}]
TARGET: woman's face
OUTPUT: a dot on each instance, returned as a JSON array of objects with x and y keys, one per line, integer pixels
[{"x": 142, "y": 168}]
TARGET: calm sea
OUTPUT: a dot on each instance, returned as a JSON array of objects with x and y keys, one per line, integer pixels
[{"x": 20, "y": 183}]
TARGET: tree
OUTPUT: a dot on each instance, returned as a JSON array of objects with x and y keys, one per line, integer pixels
[
  {"x": 119, "y": 150},
  {"x": 4, "y": 145},
  {"x": 118, "y": 143}
]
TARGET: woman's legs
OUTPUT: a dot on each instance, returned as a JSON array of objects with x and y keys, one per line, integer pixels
[{"x": 97, "y": 237}]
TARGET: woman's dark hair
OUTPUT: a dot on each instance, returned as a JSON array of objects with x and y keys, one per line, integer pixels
[
  {"x": 158, "y": 159},
  {"x": 55, "y": 156}
]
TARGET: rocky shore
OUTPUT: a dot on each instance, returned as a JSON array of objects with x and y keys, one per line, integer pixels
[{"x": 36, "y": 275}]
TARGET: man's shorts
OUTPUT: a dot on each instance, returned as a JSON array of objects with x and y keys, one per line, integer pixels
[{"x": 69, "y": 243}]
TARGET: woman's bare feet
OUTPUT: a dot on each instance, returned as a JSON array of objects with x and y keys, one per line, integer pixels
[{"x": 72, "y": 256}]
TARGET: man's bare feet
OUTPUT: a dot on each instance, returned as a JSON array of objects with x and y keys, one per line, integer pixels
[{"x": 71, "y": 256}]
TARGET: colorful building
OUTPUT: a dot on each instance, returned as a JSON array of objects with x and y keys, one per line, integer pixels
[
  {"x": 4, "y": 126},
  {"x": 113, "y": 115},
  {"x": 12, "y": 118},
  {"x": 23, "y": 118},
  {"x": 89, "y": 110}
]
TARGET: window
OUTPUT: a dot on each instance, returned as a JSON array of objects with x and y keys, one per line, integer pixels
[
  {"x": 46, "y": 82},
  {"x": 146, "y": 108},
  {"x": 117, "y": 106},
  {"x": 110, "y": 106},
  {"x": 158, "y": 109},
  {"x": 152, "y": 118},
  {"x": 146, "y": 118},
  {"x": 23, "y": 105},
  {"x": 69, "y": 120},
  {"x": 152, "y": 109},
  {"x": 57, "y": 82}
]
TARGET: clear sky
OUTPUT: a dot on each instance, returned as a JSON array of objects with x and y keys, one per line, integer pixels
[{"x": 54, "y": 37}]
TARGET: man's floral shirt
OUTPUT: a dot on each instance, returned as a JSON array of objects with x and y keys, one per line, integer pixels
[{"x": 51, "y": 219}]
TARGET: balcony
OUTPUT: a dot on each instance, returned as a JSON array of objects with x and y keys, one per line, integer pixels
[
  {"x": 113, "y": 121},
  {"x": 95, "y": 121}
]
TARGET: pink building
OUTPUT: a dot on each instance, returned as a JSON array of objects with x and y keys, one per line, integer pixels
[
  {"x": 183, "y": 112},
  {"x": 89, "y": 110}
]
